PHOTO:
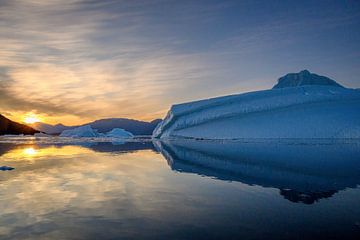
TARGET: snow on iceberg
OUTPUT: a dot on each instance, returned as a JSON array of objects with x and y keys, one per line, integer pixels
[
  {"x": 301, "y": 105},
  {"x": 83, "y": 131},
  {"x": 119, "y": 133}
]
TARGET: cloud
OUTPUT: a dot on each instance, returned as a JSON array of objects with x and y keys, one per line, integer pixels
[
  {"x": 57, "y": 61},
  {"x": 95, "y": 59}
]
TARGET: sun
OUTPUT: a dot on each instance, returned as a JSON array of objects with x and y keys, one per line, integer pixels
[{"x": 31, "y": 118}]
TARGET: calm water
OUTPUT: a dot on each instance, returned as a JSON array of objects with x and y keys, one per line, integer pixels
[{"x": 179, "y": 190}]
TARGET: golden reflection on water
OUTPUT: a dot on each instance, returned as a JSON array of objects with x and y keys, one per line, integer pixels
[
  {"x": 32, "y": 152},
  {"x": 49, "y": 180}
]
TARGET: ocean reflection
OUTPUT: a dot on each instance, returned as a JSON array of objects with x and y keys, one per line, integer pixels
[
  {"x": 58, "y": 191},
  {"x": 30, "y": 151},
  {"x": 192, "y": 190},
  {"x": 304, "y": 173}
]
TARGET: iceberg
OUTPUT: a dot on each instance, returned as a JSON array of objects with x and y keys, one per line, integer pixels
[
  {"x": 6, "y": 168},
  {"x": 119, "y": 133},
  {"x": 41, "y": 135},
  {"x": 88, "y": 131},
  {"x": 83, "y": 131},
  {"x": 304, "y": 78},
  {"x": 301, "y": 105}
]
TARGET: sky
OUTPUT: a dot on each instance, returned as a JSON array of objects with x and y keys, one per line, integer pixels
[{"x": 75, "y": 61}]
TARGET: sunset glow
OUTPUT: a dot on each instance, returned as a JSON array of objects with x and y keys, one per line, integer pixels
[
  {"x": 153, "y": 119},
  {"x": 31, "y": 118}
]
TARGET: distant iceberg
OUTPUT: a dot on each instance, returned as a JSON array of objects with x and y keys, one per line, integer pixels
[
  {"x": 88, "y": 131},
  {"x": 41, "y": 135},
  {"x": 119, "y": 133},
  {"x": 301, "y": 105},
  {"x": 83, "y": 131}
]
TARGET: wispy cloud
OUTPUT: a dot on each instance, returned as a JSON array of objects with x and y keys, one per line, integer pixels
[{"x": 57, "y": 61}]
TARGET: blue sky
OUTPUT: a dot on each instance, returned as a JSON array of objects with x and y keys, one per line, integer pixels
[{"x": 74, "y": 61}]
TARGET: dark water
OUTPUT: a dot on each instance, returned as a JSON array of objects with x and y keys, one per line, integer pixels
[{"x": 180, "y": 190}]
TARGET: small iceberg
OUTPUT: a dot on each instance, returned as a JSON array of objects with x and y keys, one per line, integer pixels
[
  {"x": 88, "y": 131},
  {"x": 119, "y": 133},
  {"x": 41, "y": 135},
  {"x": 6, "y": 168},
  {"x": 83, "y": 131}
]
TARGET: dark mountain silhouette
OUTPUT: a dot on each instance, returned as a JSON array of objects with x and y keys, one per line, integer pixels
[
  {"x": 50, "y": 129},
  {"x": 10, "y": 127},
  {"x": 105, "y": 125}
]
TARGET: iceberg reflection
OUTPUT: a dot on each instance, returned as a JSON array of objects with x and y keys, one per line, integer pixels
[{"x": 303, "y": 173}]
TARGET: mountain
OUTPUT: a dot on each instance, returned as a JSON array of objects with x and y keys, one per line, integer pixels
[
  {"x": 134, "y": 126},
  {"x": 301, "y": 105},
  {"x": 50, "y": 129},
  {"x": 105, "y": 125},
  {"x": 10, "y": 127}
]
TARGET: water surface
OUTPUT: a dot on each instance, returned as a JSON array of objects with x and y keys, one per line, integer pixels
[{"x": 179, "y": 189}]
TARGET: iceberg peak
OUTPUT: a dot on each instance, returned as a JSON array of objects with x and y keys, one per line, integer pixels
[{"x": 304, "y": 78}]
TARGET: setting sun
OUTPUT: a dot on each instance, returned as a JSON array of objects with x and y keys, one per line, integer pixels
[{"x": 31, "y": 118}]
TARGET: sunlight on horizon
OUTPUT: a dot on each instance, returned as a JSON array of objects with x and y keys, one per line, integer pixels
[{"x": 31, "y": 118}]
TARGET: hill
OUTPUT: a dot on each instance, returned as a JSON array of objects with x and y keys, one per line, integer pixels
[
  {"x": 10, "y": 127},
  {"x": 51, "y": 129},
  {"x": 105, "y": 125},
  {"x": 134, "y": 126}
]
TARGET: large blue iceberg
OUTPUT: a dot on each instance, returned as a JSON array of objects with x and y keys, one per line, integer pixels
[{"x": 301, "y": 105}]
